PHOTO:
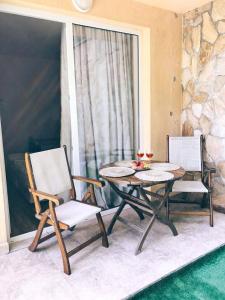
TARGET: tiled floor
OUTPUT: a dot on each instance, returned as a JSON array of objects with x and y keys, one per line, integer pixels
[{"x": 109, "y": 274}]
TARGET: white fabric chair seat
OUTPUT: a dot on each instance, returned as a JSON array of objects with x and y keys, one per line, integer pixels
[
  {"x": 189, "y": 187},
  {"x": 72, "y": 212}
]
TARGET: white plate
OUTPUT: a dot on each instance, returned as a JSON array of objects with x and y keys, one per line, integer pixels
[
  {"x": 124, "y": 163},
  {"x": 154, "y": 175},
  {"x": 164, "y": 167},
  {"x": 116, "y": 172}
]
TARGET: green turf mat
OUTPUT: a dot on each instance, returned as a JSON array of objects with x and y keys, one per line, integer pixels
[{"x": 202, "y": 280}]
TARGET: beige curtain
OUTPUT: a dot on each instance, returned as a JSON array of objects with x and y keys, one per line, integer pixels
[{"x": 107, "y": 118}]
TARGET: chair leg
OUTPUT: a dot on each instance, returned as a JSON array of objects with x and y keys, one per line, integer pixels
[
  {"x": 211, "y": 210},
  {"x": 66, "y": 263},
  {"x": 72, "y": 228},
  {"x": 105, "y": 242},
  {"x": 38, "y": 234},
  {"x": 62, "y": 247},
  {"x": 204, "y": 201}
]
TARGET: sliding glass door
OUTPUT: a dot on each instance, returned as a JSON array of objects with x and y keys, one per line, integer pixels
[
  {"x": 106, "y": 82},
  {"x": 97, "y": 113}
]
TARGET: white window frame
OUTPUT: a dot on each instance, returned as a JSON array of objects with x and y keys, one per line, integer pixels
[{"x": 144, "y": 95}]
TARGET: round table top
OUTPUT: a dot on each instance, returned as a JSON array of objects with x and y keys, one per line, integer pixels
[{"x": 132, "y": 180}]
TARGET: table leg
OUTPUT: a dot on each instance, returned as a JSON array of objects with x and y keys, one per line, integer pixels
[
  {"x": 121, "y": 207},
  {"x": 140, "y": 214},
  {"x": 168, "y": 209},
  {"x": 138, "y": 211},
  {"x": 169, "y": 224},
  {"x": 156, "y": 211},
  {"x": 167, "y": 220},
  {"x": 140, "y": 244},
  {"x": 118, "y": 212}
]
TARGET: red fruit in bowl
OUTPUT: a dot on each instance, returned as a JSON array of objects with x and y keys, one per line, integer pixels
[
  {"x": 137, "y": 165},
  {"x": 141, "y": 166}
]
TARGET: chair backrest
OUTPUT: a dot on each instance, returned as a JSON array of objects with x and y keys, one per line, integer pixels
[
  {"x": 48, "y": 172},
  {"x": 186, "y": 152}
]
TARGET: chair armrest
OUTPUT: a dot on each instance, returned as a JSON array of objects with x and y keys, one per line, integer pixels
[
  {"x": 207, "y": 177},
  {"x": 95, "y": 182},
  {"x": 55, "y": 199},
  {"x": 209, "y": 170}
]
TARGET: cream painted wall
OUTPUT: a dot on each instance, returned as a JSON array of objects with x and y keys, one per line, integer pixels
[
  {"x": 166, "y": 36},
  {"x": 179, "y": 6}
]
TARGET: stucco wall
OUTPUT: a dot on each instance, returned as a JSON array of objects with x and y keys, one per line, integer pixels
[
  {"x": 166, "y": 35},
  {"x": 204, "y": 82}
]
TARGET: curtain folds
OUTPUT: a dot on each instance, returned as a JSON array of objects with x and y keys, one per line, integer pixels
[{"x": 105, "y": 95}]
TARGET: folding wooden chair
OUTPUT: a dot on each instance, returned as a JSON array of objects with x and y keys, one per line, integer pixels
[
  {"x": 50, "y": 179},
  {"x": 187, "y": 152}
]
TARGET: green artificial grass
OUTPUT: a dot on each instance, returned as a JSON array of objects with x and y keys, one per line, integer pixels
[{"x": 202, "y": 280}]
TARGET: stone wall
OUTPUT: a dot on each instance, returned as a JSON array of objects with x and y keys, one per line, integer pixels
[{"x": 203, "y": 81}]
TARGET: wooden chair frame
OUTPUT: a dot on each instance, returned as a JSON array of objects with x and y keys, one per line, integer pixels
[
  {"x": 206, "y": 178},
  {"x": 49, "y": 215}
]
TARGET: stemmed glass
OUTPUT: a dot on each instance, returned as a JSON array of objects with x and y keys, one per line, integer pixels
[
  {"x": 149, "y": 155},
  {"x": 140, "y": 154}
]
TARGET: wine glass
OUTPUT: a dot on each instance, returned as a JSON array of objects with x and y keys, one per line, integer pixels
[
  {"x": 149, "y": 155},
  {"x": 140, "y": 154}
]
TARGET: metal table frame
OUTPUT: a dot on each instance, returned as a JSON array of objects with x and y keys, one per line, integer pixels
[{"x": 143, "y": 205}]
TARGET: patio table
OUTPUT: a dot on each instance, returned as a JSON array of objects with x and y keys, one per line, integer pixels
[{"x": 141, "y": 202}]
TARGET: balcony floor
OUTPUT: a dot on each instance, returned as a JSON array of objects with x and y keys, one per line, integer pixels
[{"x": 113, "y": 273}]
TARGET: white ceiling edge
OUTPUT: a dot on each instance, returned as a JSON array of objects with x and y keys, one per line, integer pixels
[{"x": 177, "y": 6}]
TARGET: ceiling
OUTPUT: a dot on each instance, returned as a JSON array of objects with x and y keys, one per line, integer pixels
[
  {"x": 178, "y": 6},
  {"x": 30, "y": 37}
]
